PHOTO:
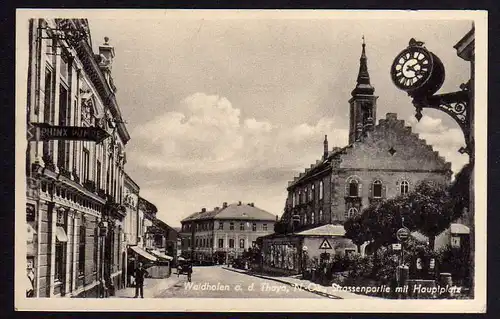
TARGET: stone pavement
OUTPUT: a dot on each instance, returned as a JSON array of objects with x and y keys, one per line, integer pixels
[
  {"x": 152, "y": 287},
  {"x": 295, "y": 281}
]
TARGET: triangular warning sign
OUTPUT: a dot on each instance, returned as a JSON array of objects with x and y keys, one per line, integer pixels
[{"x": 325, "y": 245}]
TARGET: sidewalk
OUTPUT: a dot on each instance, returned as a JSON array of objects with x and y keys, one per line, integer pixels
[
  {"x": 152, "y": 287},
  {"x": 294, "y": 281}
]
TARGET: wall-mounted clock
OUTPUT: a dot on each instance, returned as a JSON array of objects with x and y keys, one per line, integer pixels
[{"x": 417, "y": 71}]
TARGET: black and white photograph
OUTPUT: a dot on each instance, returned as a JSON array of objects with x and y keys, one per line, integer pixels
[{"x": 251, "y": 160}]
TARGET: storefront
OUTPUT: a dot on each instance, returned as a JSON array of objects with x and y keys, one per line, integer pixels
[{"x": 289, "y": 254}]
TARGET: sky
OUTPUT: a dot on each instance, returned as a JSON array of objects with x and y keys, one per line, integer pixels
[{"x": 228, "y": 110}]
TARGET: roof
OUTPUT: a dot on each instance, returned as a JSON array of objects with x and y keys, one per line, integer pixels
[
  {"x": 325, "y": 230},
  {"x": 233, "y": 211},
  {"x": 245, "y": 212},
  {"x": 459, "y": 229}
]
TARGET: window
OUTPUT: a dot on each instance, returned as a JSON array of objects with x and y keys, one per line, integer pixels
[
  {"x": 60, "y": 249},
  {"x": 351, "y": 212},
  {"x": 306, "y": 219},
  {"x": 404, "y": 187},
  {"x": 320, "y": 215},
  {"x": 264, "y": 226},
  {"x": 96, "y": 246},
  {"x": 254, "y": 227},
  {"x": 211, "y": 242},
  {"x": 63, "y": 67},
  {"x": 312, "y": 192},
  {"x": 86, "y": 163},
  {"x": 221, "y": 242},
  {"x": 320, "y": 189},
  {"x": 377, "y": 189},
  {"x": 98, "y": 174},
  {"x": 231, "y": 226},
  {"x": 48, "y": 108},
  {"x": 353, "y": 188},
  {"x": 293, "y": 199},
  {"x": 231, "y": 243},
  {"x": 81, "y": 248},
  {"x": 64, "y": 116},
  {"x": 313, "y": 221},
  {"x": 242, "y": 243},
  {"x": 242, "y": 226},
  {"x": 300, "y": 197},
  {"x": 221, "y": 225}
]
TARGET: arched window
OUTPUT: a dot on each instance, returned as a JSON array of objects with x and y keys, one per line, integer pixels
[
  {"x": 404, "y": 187},
  {"x": 313, "y": 221},
  {"x": 313, "y": 195},
  {"x": 353, "y": 188},
  {"x": 300, "y": 197},
  {"x": 377, "y": 189},
  {"x": 320, "y": 215},
  {"x": 320, "y": 189},
  {"x": 351, "y": 212}
]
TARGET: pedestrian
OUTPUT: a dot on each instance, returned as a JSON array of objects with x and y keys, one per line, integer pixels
[{"x": 140, "y": 274}]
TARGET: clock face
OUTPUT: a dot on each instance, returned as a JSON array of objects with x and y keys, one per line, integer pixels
[{"x": 411, "y": 68}]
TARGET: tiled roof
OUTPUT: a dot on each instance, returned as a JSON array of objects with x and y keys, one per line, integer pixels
[
  {"x": 233, "y": 211},
  {"x": 244, "y": 212},
  {"x": 325, "y": 230}
]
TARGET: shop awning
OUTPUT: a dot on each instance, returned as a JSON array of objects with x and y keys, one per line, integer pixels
[
  {"x": 61, "y": 234},
  {"x": 143, "y": 253},
  {"x": 159, "y": 254}
]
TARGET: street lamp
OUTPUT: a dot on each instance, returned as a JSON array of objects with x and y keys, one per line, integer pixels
[{"x": 421, "y": 73}]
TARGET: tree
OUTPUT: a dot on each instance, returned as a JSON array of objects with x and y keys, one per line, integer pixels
[{"x": 428, "y": 209}]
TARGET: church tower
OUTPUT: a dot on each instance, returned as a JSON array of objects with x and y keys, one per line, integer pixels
[{"x": 363, "y": 104}]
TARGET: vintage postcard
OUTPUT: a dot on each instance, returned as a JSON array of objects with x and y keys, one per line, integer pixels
[{"x": 251, "y": 160}]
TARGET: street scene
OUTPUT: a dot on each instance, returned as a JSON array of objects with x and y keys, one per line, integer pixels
[{"x": 178, "y": 156}]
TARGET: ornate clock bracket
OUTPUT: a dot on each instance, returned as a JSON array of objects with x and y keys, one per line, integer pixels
[{"x": 455, "y": 104}]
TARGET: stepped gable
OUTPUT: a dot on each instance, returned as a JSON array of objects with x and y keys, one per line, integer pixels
[
  {"x": 244, "y": 211},
  {"x": 393, "y": 145}
]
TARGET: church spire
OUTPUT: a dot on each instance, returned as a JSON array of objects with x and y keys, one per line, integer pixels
[{"x": 363, "y": 85}]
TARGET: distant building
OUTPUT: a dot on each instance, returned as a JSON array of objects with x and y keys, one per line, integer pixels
[
  {"x": 224, "y": 233},
  {"x": 381, "y": 161}
]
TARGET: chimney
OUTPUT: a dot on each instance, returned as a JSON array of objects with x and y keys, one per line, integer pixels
[
  {"x": 251, "y": 204},
  {"x": 203, "y": 210},
  {"x": 216, "y": 208},
  {"x": 224, "y": 205},
  {"x": 239, "y": 203},
  {"x": 277, "y": 218},
  {"x": 325, "y": 148}
]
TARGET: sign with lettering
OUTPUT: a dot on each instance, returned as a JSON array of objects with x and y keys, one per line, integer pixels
[
  {"x": 402, "y": 234},
  {"x": 44, "y": 132},
  {"x": 396, "y": 246}
]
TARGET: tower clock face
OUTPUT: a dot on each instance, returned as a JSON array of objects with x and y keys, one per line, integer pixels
[{"x": 412, "y": 68}]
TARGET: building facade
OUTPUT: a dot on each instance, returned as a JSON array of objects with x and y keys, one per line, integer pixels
[
  {"x": 381, "y": 161},
  {"x": 74, "y": 187},
  {"x": 224, "y": 233}
]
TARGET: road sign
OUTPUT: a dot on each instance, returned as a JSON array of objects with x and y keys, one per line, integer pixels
[
  {"x": 325, "y": 245},
  {"x": 402, "y": 234},
  {"x": 79, "y": 133},
  {"x": 396, "y": 246}
]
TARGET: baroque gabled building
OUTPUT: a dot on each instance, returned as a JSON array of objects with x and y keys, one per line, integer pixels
[
  {"x": 74, "y": 199},
  {"x": 381, "y": 160}
]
